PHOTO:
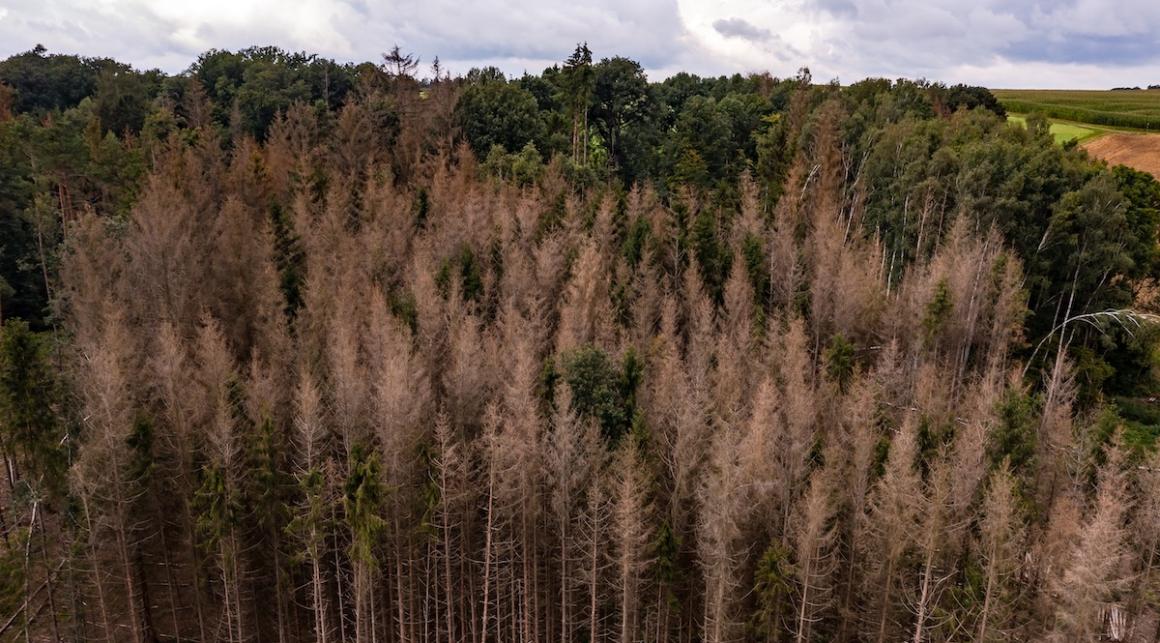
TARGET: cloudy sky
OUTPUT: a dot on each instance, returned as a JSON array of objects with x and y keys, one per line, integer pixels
[{"x": 998, "y": 43}]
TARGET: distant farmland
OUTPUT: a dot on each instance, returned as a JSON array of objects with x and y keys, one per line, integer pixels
[
  {"x": 1132, "y": 109},
  {"x": 1112, "y": 125}
]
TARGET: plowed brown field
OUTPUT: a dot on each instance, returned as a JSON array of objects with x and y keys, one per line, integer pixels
[{"x": 1140, "y": 151}]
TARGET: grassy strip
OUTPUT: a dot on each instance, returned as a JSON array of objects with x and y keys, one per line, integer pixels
[{"x": 1062, "y": 131}]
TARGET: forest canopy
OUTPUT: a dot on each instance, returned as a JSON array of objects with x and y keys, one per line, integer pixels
[{"x": 299, "y": 350}]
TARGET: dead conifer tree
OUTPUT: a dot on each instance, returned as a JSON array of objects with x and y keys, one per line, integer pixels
[
  {"x": 102, "y": 475},
  {"x": 1089, "y": 589},
  {"x": 765, "y": 480},
  {"x": 1147, "y": 541},
  {"x": 718, "y": 536},
  {"x": 1056, "y": 442},
  {"x": 491, "y": 443},
  {"x": 999, "y": 546},
  {"x": 400, "y": 404},
  {"x": 310, "y": 523},
  {"x": 450, "y": 473},
  {"x": 220, "y": 493},
  {"x": 631, "y": 533},
  {"x": 893, "y": 522},
  {"x": 584, "y": 300},
  {"x": 568, "y": 475},
  {"x": 934, "y": 525},
  {"x": 858, "y": 441},
  {"x": 815, "y": 554},
  {"x": 593, "y": 536},
  {"x": 699, "y": 323},
  {"x": 172, "y": 369},
  {"x": 469, "y": 376},
  {"x": 799, "y": 413},
  {"x": 521, "y": 474}
]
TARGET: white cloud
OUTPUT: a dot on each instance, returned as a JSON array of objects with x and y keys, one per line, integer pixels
[{"x": 1075, "y": 43}]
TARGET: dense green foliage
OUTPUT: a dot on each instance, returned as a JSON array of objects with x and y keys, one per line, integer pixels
[
  {"x": 496, "y": 112},
  {"x": 249, "y": 88},
  {"x": 42, "y": 82}
]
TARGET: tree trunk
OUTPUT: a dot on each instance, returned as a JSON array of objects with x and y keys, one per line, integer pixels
[
  {"x": 448, "y": 598},
  {"x": 986, "y": 611},
  {"x": 49, "y": 573},
  {"x": 885, "y": 607},
  {"x": 487, "y": 545},
  {"x": 102, "y": 604},
  {"x": 924, "y": 596},
  {"x": 592, "y": 631},
  {"x": 803, "y": 625},
  {"x": 339, "y": 590},
  {"x": 317, "y": 591},
  {"x": 565, "y": 634},
  {"x": 131, "y": 592},
  {"x": 399, "y": 590}
]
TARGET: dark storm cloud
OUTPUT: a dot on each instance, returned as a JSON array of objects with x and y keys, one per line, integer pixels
[
  {"x": 844, "y": 8},
  {"x": 940, "y": 32},
  {"x": 739, "y": 28},
  {"x": 1088, "y": 49}
]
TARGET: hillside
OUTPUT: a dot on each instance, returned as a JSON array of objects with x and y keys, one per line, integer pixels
[{"x": 295, "y": 350}]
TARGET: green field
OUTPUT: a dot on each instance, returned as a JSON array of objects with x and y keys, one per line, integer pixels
[
  {"x": 1064, "y": 131},
  {"x": 1134, "y": 109}
]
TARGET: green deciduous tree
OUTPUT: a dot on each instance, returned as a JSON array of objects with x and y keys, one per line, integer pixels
[{"x": 496, "y": 112}]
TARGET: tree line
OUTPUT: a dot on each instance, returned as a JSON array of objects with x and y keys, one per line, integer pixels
[{"x": 302, "y": 351}]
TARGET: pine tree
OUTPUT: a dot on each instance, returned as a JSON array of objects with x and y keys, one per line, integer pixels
[
  {"x": 569, "y": 475},
  {"x": 363, "y": 507},
  {"x": 631, "y": 533},
  {"x": 579, "y": 77},
  {"x": 1147, "y": 542},
  {"x": 935, "y": 522},
  {"x": 857, "y": 441},
  {"x": 799, "y": 413},
  {"x": 583, "y": 302},
  {"x": 220, "y": 496},
  {"x": 718, "y": 536},
  {"x": 309, "y": 525},
  {"x": 451, "y": 476},
  {"x": 1091, "y": 584},
  {"x": 893, "y": 523},
  {"x": 103, "y": 476},
  {"x": 815, "y": 551},
  {"x": 999, "y": 546}
]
